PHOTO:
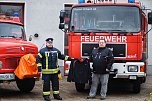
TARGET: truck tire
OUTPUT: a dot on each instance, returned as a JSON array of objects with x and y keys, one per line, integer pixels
[
  {"x": 136, "y": 87},
  {"x": 80, "y": 86},
  {"x": 25, "y": 85}
]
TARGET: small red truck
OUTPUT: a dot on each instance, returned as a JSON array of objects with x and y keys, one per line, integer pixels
[{"x": 13, "y": 45}]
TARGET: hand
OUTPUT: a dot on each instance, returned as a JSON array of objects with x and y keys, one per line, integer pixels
[
  {"x": 107, "y": 70},
  {"x": 59, "y": 75}
]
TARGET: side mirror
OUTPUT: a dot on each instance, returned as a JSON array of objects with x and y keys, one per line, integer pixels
[
  {"x": 150, "y": 18},
  {"x": 62, "y": 15},
  {"x": 61, "y": 26}
]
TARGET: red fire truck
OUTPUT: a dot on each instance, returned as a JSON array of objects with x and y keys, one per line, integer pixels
[
  {"x": 13, "y": 44},
  {"x": 124, "y": 25}
]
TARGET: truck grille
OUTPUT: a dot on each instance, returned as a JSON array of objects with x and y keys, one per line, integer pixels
[
  {"x": 30, "y": 50},
  {"x": 13, "y": 50},
  {"x": 119, "y": 50},
  {"x": 11, "y": 63}
]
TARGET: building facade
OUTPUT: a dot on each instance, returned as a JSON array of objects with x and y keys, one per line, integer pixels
[{"x": 42, "y": 17}]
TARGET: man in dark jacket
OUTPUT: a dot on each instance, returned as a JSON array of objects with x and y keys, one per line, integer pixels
[
  {"x": 47, "y": 62},
  {"x": 102, "y": 59}
]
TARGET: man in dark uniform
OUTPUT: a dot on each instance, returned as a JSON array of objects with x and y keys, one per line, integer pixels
[{"x": 47, "y": 62}]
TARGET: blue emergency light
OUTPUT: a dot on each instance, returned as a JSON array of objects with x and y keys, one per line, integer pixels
[
  {"x": 15, "y": 14},
  {"x": 131, "y": 1},
  {"x": 81, "y": 1}
]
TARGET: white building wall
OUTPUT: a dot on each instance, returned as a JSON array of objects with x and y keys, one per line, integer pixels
[{"x": 42, "y": 17}]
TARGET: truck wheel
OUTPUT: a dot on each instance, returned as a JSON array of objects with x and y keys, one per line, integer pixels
[
  {"x": 25, "y": 85},
  {"x": 79, "y": 86},
  {"x": 136, "y": 87}
]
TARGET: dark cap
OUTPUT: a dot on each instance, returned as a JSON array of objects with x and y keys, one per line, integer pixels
[{"x": 49, "y": 40}]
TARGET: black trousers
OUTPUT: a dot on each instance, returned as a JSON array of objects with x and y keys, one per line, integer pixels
[{"x": 46, "y": 84}]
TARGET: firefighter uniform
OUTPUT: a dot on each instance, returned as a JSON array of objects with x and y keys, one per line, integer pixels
[{"x": 47, "y": 62}]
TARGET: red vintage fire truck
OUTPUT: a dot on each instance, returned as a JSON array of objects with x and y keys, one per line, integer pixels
[
  {"x": 13, "y": 45},
  {"x": 124, "y": 25}
]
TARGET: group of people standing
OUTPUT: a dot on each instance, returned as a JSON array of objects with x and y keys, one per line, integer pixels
[{"x": 47, "y": 61}]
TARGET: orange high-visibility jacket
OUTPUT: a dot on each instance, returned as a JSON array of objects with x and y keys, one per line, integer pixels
[{"x": 27, "y": 67}]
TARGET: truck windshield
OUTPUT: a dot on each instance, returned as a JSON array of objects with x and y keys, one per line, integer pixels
[
  {"x": 11, "y": 31},
  {"x": 105, "y": 19}
]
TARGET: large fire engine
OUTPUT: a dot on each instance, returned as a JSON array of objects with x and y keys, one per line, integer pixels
[
  {"x": 124, "y": 25},
  {"x": 13, "y": 45}
]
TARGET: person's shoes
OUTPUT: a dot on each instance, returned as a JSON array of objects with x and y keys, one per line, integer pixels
[
  {"x": 90, "y": 97},
  {"x": 46, "y": 98},
  {"x": 102, "y": 98},
  {"x": 57, "y": 96}
]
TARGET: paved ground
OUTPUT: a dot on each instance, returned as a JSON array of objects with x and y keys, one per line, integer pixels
[{"x": 10, "y": 92}]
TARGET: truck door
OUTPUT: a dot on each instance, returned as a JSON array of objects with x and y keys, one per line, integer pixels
[{"x": 67, "y": 9}]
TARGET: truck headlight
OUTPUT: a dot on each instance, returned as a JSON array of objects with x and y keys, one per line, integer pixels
[
  {"x": 1, "y": 64},
  {"x": 132, "y": 68}
]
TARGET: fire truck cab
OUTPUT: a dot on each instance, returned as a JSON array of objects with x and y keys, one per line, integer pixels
[
  {"x": 124, "y": 25},
  {"x": 13, "y": 46}
]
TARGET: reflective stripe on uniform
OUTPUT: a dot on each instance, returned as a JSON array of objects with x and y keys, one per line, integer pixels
[
  {"x": 39, "y": 55},
  {"x": 57, "y": 60},
  {"x": 46, "y": 60},
  {"x": 50, "y": 71},
  {"x": 55, "y": 92},
  {"x": 46, "y": 93},
  {"x": 39, "y": 64},
  {"x": 66, "y": 58}
]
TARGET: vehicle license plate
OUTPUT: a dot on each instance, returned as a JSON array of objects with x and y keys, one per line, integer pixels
[
  {"x": 133, "y": 77},
  {"x": 7, "y": 76}
]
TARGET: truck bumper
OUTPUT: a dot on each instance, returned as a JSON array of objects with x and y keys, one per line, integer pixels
[
  {"x": 7, "y": 76},
  {"x": 11, "y": 76},
  {"x": 120, "y": 70}
]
